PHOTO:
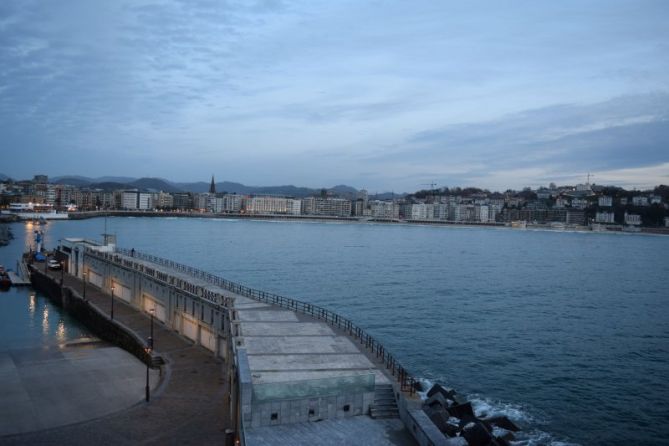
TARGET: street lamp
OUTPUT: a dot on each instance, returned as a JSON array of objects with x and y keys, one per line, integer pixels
[
  {"x": 147, "y": 391},
  {"x": 152, "y": 311},
  {"x": 112, "y": 302},
  {"x": 85, "y": 278}
]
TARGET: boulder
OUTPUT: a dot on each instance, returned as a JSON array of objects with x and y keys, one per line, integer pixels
[
  {"x": 438, "y": 399},
  {"x": 476, "y": 434},
  {"x": 461, "y": 410},
  {"x": 503, "y": 422},
  {"x": 440, "y": 420},
  {"x": 438, "y": 388}
]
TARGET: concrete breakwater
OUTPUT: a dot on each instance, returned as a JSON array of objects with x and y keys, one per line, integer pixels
[{"x": 288, "y": 363}]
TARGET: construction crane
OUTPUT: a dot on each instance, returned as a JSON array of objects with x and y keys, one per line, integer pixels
[{"x": 432, "y": 185}]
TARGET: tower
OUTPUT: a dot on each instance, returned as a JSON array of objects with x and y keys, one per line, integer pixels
[{"x": 212, "y": 186}]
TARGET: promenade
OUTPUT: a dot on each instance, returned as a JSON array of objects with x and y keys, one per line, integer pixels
[{"x": 189, "y": 406}]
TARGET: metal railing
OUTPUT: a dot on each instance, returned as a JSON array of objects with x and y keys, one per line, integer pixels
[{"x": 407, "y": 382}]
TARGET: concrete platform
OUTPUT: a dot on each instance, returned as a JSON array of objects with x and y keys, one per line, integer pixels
[
  {"x": 43, "y": 388},
  {"x": 342, "y": 432}
]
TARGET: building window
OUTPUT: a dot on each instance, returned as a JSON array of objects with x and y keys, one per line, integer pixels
[
  {"x": 347, "y": 407},
  {"x": 275, "y": 416}
]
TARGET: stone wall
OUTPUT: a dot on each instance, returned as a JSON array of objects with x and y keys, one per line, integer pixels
[{"x": 98, "y": 323}]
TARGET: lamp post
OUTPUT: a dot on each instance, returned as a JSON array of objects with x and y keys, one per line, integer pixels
[
  {"x": 152, "y": 311},
  {"x": 112, "y": 301},
  {"x": 147, "y": 391},
  {"x": 85, "y": 279}
]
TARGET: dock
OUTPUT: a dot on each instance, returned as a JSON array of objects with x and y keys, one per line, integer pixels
[{"x": 17, "y": 280}]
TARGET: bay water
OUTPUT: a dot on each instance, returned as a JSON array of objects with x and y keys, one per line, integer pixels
[{"x": 567, "y": 333}]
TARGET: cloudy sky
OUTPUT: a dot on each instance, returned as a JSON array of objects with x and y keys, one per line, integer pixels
[{"x": 385, "y": 95}]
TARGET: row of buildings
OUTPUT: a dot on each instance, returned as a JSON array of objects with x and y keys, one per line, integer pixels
[{"x": 578, "y": 205}]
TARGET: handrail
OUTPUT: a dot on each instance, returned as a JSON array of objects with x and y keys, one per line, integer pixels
[{"x": 404, "y": 378}]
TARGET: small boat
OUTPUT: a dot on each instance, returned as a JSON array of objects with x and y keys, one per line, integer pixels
[{"x": 5, "y": 282}]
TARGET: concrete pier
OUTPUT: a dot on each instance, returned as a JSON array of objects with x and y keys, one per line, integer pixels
[{"x": 291, "y": 370}]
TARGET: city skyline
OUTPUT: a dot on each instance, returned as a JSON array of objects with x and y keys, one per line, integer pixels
[{"x": 383, "y": 98}]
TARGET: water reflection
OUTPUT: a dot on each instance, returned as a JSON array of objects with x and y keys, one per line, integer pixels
[
  {"x": 45, "y": 321},
  {"x": 61, "y": 332},
  {"x": 32, "y": 304}
]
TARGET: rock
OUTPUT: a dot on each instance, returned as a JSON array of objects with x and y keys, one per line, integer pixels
[
  {"x": 476, "y": 434},
  {"x": 503, "y": 422},
  {"x": 438, "y": 399},
  {"x": 449, "y": 394},
  {"x": 461, "y": 410},
  {"x": 440, "y": 420}
]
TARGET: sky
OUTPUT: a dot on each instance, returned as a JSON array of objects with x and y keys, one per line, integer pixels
[{"x": 381, "y": 95}]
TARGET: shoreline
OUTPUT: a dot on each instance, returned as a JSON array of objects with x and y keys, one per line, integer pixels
[{"x": 362, "y": 220}]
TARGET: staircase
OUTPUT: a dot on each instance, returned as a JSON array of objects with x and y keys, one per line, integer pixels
[{"x": 384, "y": 405}]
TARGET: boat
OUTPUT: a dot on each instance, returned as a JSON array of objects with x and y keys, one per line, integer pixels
[{"x": 35, "y": 212}]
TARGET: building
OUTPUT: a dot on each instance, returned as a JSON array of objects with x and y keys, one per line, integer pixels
[
  {"x": 632, "y": 219},
  {"x": 232, "y": 203},
  {"x": 162, "y": 200},
  {"x": 605, "y": 217},
  {"x": 133, "y": 200},
  {"x": 182, "y": 200},
  {"x": 334, "y": 207},
  {"x": 640, "y": 200},
  {"x": 666, "y": 222},
  {"x": 272, "y": 205},
  {"x": 385, "y": 210},
  {"x": 655, "y": 199},
  {"x": 575, "y": 217},
  {"x": 605, "y": 201},
  {"x": 579, "y": 203}
]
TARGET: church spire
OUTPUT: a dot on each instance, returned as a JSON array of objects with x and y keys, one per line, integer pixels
[{"x": 212, "y": 186}]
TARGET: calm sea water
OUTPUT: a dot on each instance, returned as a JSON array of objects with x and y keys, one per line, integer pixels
[
  {"x": 28, "y": 319},
  {"x": 567, "y": 333}
]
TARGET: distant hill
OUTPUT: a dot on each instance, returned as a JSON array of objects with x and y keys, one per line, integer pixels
[
  {"x": 72, "y": 180},
  {"x": 109, "y": 183},
  {"x": 3, "y": 177},
  {"x": 155, "y": 184}
]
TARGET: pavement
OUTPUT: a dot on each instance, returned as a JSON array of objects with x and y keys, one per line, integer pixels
[
  {"x": 43, "y": 388},
  {"x": 189, "y": 405}
]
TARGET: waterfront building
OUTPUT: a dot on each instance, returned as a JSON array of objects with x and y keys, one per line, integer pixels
[
  {"x": 162, "y": 200},
  {"x": 605, "y": 201},
  {"x": 561, "y": 203},
  {"x": 655, "y": 199},
  {"x": 335, "y": 207},
  {"x": 640, "y": 200},
  {"x": 232, "y": 203},
  {"x": 182, "y": 200},
  {"x": 386, "y": 210},
  {"x": 441, "y": 211},
  {"x": 422, "y": 211},
  {"x": 575, "y": 217},
  {"x": 623, "y": 201},
  {"x": 272, "y": 205},
  {"x": 605, "y": 217},
  {"x": 632, "y": 219},
  {"x": 130, "y": 200}
]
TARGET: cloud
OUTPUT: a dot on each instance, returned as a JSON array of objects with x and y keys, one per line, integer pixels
[{"x": 386, "y": 95}]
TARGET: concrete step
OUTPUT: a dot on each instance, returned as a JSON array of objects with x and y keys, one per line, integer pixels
[{"x": 385, "y": 405}]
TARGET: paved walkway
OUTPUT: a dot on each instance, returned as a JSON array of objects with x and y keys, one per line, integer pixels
[{"x": 189, "y": 407}]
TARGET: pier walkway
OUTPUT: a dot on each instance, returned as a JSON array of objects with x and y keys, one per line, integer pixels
[{"x": 189, "y": 406}]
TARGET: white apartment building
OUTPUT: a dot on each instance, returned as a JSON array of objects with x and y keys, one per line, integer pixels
[
  {"x": 232, "y": 203},
  {"x": 422, "y": 211},
  {"x": 605, "y": 201},
  {"x": 384, "y": 209},
  {"x": 605, "y": 217},
  {"x": 131, "y": 200},
  {"x": 272, "y": 205},
  {"x": 632, "y": 219}
]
